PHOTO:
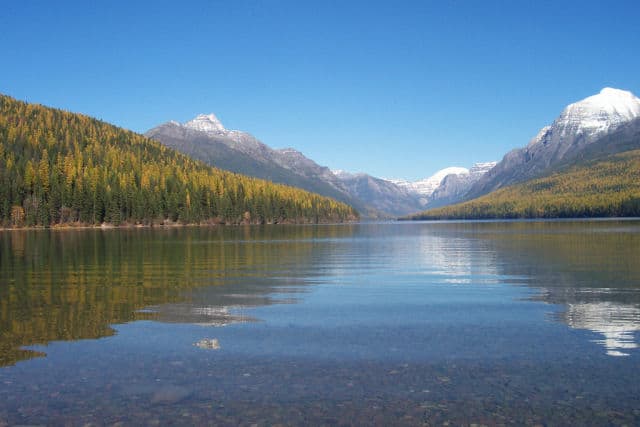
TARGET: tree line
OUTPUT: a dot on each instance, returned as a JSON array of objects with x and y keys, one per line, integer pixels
[{"x": 58, "y": 167}]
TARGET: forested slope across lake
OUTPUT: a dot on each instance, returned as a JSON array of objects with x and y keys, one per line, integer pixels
[
  {"x": 61, "y": 168},
  {"x": 605, "y": 187}
]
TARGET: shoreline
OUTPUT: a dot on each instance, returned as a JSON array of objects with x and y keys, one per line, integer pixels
[
  {"x": 106, "y": 226},
  {"x": 66, "y": 227}
]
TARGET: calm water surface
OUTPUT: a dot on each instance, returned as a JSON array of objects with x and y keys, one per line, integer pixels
[{"x": 527, "y": 323}]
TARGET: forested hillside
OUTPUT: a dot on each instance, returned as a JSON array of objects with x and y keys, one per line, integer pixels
[
  {"x": 605, "y": 187},
  {"x": 58, "y": 167}
]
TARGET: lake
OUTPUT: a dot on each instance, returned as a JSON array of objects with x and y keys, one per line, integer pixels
[{"x": 443, "y": 323}]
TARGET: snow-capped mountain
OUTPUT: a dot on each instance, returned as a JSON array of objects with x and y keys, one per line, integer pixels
[
  {"x": 454, "y": 187},
  {"x": 573, "y": 134},
  {"x": 425, "y": 189},
  {"x": 599, "y": 113},
  {"x": 585, "y": 121}
]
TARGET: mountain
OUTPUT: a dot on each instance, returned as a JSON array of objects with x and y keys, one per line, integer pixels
[
  {"x": 454, "y": 187},
  {"x": 295, "y": 161},
  {"x": 207, "y": 123},
  {"x": 425, "y": 187},
  {"x": 605, "y": 186},
  {"x": 383, "y": 195},
  {"x": 448, "y": 185},
  {"x": 573, "y": 135},
  {"x": 586, "y": 163},
  {"x": 205, "y": 138},
  {"x": 58, "y": 167}
]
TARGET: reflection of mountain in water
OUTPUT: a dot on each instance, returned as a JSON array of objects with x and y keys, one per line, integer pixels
[
  {"x": 74, "y": 285},
  {"x": 438, "y": 249},
  {"x": 460, "y": 260},
  {"x": 616, "y": 322},
  {"x": 590, "y": 267},
  {"x": 198, "y": 314},
  {"x": 218, "y": 306}
]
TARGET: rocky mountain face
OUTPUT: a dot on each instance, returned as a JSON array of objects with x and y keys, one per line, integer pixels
[
  {"x": 205, "y": 134},
  {"x": 574, "y": 135},
  {"x": 206, "y": 139},
  {"x": 383, "y": 195},
  {"x": 294, "y": 160}
]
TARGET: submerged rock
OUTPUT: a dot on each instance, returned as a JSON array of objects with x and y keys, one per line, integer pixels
[
  {"x": 170, "y": 394},
  {"x": 208, "y": 344}
]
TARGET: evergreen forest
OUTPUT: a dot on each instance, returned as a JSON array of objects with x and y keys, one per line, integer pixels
[{"x": 62, "y": 168}]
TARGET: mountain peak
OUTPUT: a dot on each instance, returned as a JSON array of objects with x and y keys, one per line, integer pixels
[
  {"x": 616, "y": 100},
  {"x": 611, "y": 91},
  {"x": 206, "y": 123},
  {"x": 425, "y": 187},
  {"x": 442, "y": 173},
  {"x": 604, "y": 110},
  {"x": 579, "y": 126}
]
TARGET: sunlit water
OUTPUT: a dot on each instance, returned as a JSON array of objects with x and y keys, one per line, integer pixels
[{"x": 367, "y": 324}]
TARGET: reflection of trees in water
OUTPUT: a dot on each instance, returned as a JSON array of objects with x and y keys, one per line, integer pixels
[
  {"x": 69, "y": 285},
  {"x": 74, "y": 284}
]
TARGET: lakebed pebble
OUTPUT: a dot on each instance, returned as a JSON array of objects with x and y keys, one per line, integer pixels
[{"x": 208, "y": 344}]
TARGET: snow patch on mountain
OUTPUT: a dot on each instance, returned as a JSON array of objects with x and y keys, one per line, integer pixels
[
  {"x": 601, "y": 112},
  {"x": 426, "y": 187},
  {"x": 343, "y": 174},
  {"x": 454, "y": 187},
  {"x": 208, "y": 123},
  {"x": 480, "y": 168}
]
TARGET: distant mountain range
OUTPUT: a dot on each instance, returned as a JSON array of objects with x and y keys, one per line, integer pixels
[
  {"x": 447, "y": 185},
  {"x": 606, "y": 123},
  {"x": 424, "y": 188},
  {"x": 206, "y": 139},
  {"x": 586, "y": 163},
  {"x": 383, "y": 195}
]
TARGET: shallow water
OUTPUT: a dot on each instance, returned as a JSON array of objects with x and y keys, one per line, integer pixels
[{"x": 362, "y": 324}]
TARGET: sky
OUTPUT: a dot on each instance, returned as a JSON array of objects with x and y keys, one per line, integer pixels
[{"x": 397, "y": 89}]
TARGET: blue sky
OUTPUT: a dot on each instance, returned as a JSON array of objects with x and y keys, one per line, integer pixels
[{"x": 395, "y": 89}]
